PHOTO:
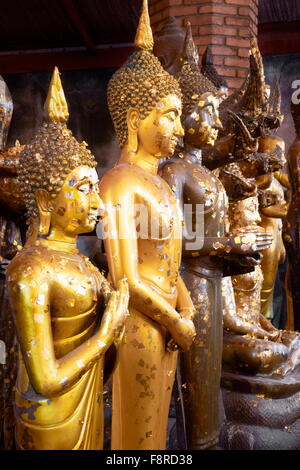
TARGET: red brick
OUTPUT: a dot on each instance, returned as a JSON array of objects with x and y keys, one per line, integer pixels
[
  {"x": 242, "y": 73},
  {"x": 234, "y": 82},
  {"x": 254, "y": 6},
  {"x": 238, "y": 2},
  {"x": 218, "y": 60},
  {"x": 193, "y": 2},
  {"x": 200, "y": 40},
  {"x": 243, "y": 52},
  {"x": 237, "y": 21},
  {"x": 218, "y": 30},
  {"x": 158, "y": 6},
  {"x": 206, "y": 19},
  {"x": 237, "y": 42},
  {"x": 218, "y": 8},
  {"x": 182, "y": 11},
  {"x": 244, "y": 11},
  {"x": 226, "y": 72},
  {"x": 253, "y": 29},
  {"x": 161, "y": 15},
  {"x": 244, "y": 32},
  {"x": 236, "y": 62},
  {"x": 222, "y": 50}
]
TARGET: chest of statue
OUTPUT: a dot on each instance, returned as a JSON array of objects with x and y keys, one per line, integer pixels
[
  {"x": 204, "y": 189},
  {"x": 159, "y": 226},
  {"x": 74, "y": 293}
]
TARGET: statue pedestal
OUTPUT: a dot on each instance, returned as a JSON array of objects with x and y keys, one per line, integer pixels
[{"x": 262, "y": 413}]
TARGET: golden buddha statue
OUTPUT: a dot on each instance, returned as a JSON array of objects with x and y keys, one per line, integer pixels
[
  {"x": 273, "y": 210},
  {"x": 273, "y": 207},
  {"x": 142, "y": 240},
  {"x": 57, "y": 295},
  {"x": 203, "y": 260}
]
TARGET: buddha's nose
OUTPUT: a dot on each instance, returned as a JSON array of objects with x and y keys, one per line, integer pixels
[{"x": 179, "y": 128}]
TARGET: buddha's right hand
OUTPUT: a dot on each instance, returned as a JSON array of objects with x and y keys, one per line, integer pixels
[
  {"x": 113, "y": 320},
  {"x": 183, "y": 334},
  {"x": 249, "y": 243}
]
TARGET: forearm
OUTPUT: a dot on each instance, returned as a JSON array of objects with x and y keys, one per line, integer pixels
[
  {"x": 239, "y": 326},
  {"x": 266, "y": 324},
  {"x": 276, "y": 212},
  {"x": 185, "y": 304},
  {"x": 56, "y": 376},
  {"x": 149, "y": 302},
  {"x": 204, "y": 247}
]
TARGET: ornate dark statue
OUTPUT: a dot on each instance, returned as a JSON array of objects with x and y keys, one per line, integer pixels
[
  {"x": 291, "y": 230},
  {"x": 260, "y": 375},
  {"x": 11, "y": 210}
]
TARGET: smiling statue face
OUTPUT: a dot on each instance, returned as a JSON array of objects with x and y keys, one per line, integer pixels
[
  {"x": 159, "y": 132},
  {"x": 75, "y": 209},
  {"x": 203, "y": 123}
]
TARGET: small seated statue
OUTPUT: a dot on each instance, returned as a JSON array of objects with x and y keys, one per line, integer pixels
[
  {"x": 57, "y": 295},
  {"x": 260, "y": 362}
]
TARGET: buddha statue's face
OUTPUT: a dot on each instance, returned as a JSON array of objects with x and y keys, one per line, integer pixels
[
  {"x": 203, "y": 123},
  {"x": 159, "y": 132},
  {"x": 76, "y": 207}
]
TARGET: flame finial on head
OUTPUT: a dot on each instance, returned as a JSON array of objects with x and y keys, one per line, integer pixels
[
  {"x": 144, "y": 37},
  {"x": 56, "y": 107},
  {"x": 209, "y": 70},
  {"x": 254, "y": 101},
  {"x": 190, "y": 51}
]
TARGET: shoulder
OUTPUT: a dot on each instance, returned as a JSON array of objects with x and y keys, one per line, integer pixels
[
  {"x": 121, "y": 172},
  {"x": 173, "y": 169},
  {"x": 121, "y": 181},
  {"x": 29, "y": 263}
]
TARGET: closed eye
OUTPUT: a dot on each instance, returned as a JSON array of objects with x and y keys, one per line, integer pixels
[{"x": 84, "y": 188}]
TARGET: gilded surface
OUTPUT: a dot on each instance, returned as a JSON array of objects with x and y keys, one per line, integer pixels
[
  {"x": 145, "y": 106},
  {"x": 58, "y": 297}
]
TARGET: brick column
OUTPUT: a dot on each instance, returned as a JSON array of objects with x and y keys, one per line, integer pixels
[{"x": 226, "y": 25}]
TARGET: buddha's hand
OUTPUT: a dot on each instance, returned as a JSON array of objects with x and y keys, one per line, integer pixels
[
  {"x": 248, "y": 243},
  {"x": 115, "y": 314},
  {"x": 183, "y": 333}
]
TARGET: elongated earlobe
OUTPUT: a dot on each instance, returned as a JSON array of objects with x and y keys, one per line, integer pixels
[
  {"x": 133, "y": 119},
  {"x": 43, "y": 203}
]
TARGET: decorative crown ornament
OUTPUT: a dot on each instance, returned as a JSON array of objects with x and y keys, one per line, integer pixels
[
  {"x": 56, "y": 107},
  {"x": 192, "y": 83},
  {"x": 144, "y": 37}
]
